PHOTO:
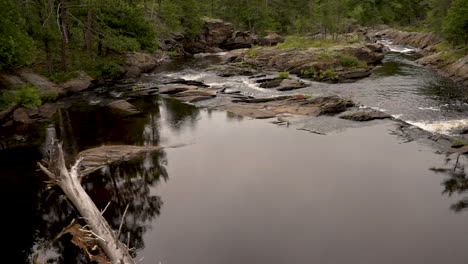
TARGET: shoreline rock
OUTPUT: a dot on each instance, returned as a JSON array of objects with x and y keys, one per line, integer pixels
[{"x": 432, "y": 58}]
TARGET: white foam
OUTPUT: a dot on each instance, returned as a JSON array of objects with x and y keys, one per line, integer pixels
[
  {"x": 441, "y": 127},
  {"x": 401, "y": 49},
  {"x": 430, "y": 108},
  {"x": 194, "y": 77}
]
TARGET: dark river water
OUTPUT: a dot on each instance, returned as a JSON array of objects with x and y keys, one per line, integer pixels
[{"x": 247, "y": 191}]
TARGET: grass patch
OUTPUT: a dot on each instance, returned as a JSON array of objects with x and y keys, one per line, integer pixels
[
  {"x": 349, "y": 61},
  {"x": 320, "y": 75},
  {"x": 172, "y": 53},
  {"x": 283, "y": 75},
  {"x": 459, "y": 141}
]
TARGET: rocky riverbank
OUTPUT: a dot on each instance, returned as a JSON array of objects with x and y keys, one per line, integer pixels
[{"x": 436, "y": 54}]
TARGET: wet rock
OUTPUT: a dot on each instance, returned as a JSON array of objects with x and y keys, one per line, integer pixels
[
  {"x": 177, "y": 89},
  {"x": 262, "y": 100},
  {"x": 123, "y": 107},
  {"x": 246, "y": 110},
  {"x": 463, "y": 150},
  {"x": 365, "y": 54},
  {"x": 290, "y": 84},
  {"x": 272, "y": 83},
  {"x": 364, "y": 115},
  {"x": 194, "y": 98},
  {"x": 330, "y": 105},
  {"x": 375, "y": 47},
  {"x": 20, "y": 115},
  {"x": 186, "y": 82},
  {"x": 208, "y": 93},
  {"x": 354, "y": 74}
]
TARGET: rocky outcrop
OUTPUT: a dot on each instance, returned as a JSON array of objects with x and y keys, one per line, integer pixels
[
  {"x": 420, "y": 40},
  {"x": 319, "y": 64},
  {"x": 137, "y": 63},
  {"x": 217, "y": 35},
  {"x": 13, "y": 80},
  {"x": 261, "y": 108},
  {"x": 281, "y": 84}
]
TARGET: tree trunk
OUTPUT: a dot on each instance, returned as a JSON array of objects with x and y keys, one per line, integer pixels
[
  {"x": 64, "y": 34},
  {"x": 69, "y": 182},
  {"x": 89, "y": 36}
]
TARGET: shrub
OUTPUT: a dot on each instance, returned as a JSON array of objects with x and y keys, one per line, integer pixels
[
  {"x": 61, "y": 77},
  {"x": 283, "y": 75},
  {"x": 27, "y": 95},
  {"x": 328, "y": 75},
  {"x": 349, "y": 61},
  {"x": 109, "y": 69},
  {"x": 253, "y": 53},
  {"x": 49, "y": 96}
]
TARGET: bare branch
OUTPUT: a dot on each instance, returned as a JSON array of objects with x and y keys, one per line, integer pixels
[
  {"x": 47, "y": 172},
  {"x": 121, "y": 221}
]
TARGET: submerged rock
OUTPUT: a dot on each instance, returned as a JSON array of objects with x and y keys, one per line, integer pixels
[{"x": 124, "y": 107}]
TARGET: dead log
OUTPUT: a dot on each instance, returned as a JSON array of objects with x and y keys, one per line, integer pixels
[{"x": 69, "y": 182}]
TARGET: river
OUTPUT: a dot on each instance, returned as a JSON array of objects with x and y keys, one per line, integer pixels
[{"x": 249, "y": 191}]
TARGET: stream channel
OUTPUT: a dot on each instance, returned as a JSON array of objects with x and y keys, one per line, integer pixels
[{"x": 249, "y": 191}]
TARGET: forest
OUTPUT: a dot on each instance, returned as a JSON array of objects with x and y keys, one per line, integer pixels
[{"x": 55, "y": 35}]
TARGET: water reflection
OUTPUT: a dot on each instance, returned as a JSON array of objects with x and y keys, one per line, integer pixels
[
  {"x": 180, "y": 115},
  {"x": 456, "y": 181},
  {"x": 129, "y": 184},
  {"x": 47, "y": 211}
]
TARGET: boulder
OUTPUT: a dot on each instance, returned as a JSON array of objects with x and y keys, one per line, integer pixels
[
  {"x": 140, "y": 62},
  {"x": 330, "y": 105},
  {"x": 365, "y": 115},
  {"x": 216, "y": 31},
  {"x": 291, "y": 84},
  {"x": 364, "y": 54},
  {"x": 20, "y": 115},
  {"x": 78, "y": 84},
  {"x": 271, "y": 40},
  {"x": 239, "y": 40}
]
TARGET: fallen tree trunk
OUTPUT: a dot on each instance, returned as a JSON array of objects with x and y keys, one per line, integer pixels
[{"x": 69, "y": 182}]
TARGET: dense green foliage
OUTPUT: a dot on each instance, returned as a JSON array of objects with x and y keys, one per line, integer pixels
[
  {"x": 15, "y": 45},
  {"x": 456, "y": 24},
  {"x": 65, "y": 35}
]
